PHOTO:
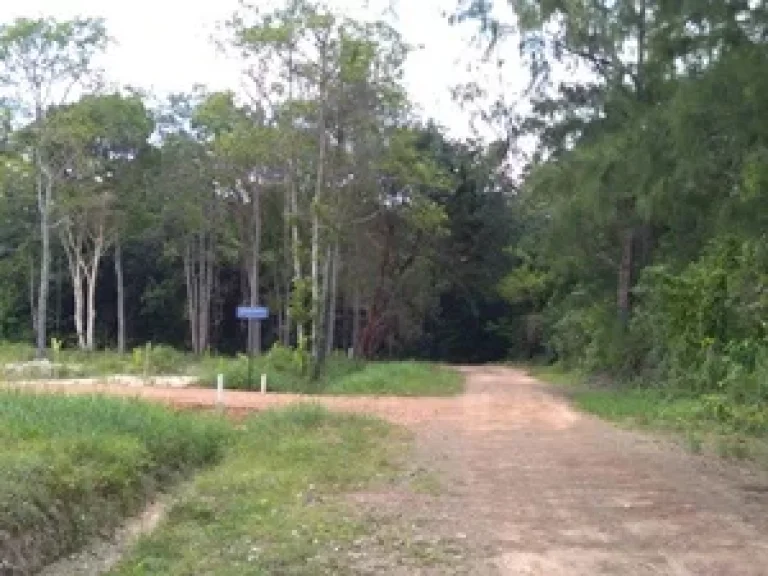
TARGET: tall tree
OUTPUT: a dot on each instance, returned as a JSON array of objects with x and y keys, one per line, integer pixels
[
  {"x": 41, "y": 61},
  {"x": 90, "y": 145}
]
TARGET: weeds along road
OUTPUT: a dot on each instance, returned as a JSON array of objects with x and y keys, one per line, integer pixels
[{"x": 534, "y": 487}]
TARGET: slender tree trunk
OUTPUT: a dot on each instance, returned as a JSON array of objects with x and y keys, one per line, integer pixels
[
  {"x": 209, "y": 282},
  {"x": 44, "y": 186},
  {"x": 32, "y": 294},
  {"x": 356, "y": 318},
  {"x": 73, "y": 248},
  {"x": 192, "y": 296},
  {"x": 333, "y": 293},
  {"x": 296, "y": 253},
  {"x": 92, "y": 277},
  {"x": 625, "y": 275},
  {"x": 199, "y": 274},
  {"x": 285, "y": 315},
  {"x": 315, "y": 271},
  {"x": 254, "y": 278},
  {"x": 322, "y": 325},
  {"x": 78, "y": 294},
  {"x": 319, "y": 186},
  {"x": 120, "y": 296},
  {"x": 293, "y": 209},
  {"x": 316, "y": 304}
]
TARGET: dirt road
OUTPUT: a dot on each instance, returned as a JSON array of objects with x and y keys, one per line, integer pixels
[{"x": 536, "y": 488}]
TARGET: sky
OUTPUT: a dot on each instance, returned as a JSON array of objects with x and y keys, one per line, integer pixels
[{"x": 165, "y": 46}]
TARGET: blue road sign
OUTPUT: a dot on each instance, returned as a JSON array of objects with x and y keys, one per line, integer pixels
[{"x": 252, "y": 312}]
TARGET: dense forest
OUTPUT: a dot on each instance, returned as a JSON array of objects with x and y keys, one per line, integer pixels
[{"x": 631, "y": 241}]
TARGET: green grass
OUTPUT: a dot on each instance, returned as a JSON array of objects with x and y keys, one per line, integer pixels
[
  {"x": 342, "y": 376},
  {"x": 72, "y": 467},
  {"x": 399, "y": 379},
  {"x": 709, "y": 421},
  {"x": 284, "y": 374},
  {"x": 271, "y": 507}
]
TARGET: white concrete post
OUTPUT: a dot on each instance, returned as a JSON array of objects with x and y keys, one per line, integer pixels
[{"x": 220, "y": 390}]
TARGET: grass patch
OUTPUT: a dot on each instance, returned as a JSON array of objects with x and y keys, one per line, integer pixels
[
  {"x": 72, "y": 467},
  {"x": 399, "y": 379},
  {"x": 342, "y": 377},
  {"x": 269, "y": 508},
  {"x": 286, "y": 370},
  {"x": 713, "y": 422}
]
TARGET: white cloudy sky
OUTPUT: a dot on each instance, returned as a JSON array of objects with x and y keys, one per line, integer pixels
[{"x": 164, "y": 45}]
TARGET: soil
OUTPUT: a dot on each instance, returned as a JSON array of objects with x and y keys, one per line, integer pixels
[
  {"x": 526, "y": 485},
  {"x": 103, "y": 554}
]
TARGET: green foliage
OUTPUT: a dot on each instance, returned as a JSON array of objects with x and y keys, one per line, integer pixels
[
  {"x": 704, "y": 324},
  {"x": 270, "y": 507},
  {"x": 72, "y": 467},
  {"x": 645, "y": 247}
]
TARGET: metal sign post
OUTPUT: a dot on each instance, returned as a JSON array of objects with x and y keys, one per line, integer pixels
[{"x": 252, "y": 314}]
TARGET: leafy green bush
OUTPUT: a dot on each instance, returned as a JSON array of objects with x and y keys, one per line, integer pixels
[{"x": 71, "y": 467}]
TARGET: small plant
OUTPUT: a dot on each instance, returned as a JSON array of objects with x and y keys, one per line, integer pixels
[{"x": 56, "y": 346}]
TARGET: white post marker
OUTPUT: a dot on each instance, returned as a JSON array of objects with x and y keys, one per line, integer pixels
[
  {"x": 263, "y": 383},
  {"x": 220, "y": 390}
]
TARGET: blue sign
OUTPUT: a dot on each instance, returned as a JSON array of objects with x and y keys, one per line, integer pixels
[{"x": 252, "y": 312}]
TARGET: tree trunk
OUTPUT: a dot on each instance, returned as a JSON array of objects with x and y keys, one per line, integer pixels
[
  {"x": 296, "y": 253},
  {"x": 285, "y": 314},
  {"x": 209, "y": 273},
  {"x": 321, "y": 329},
  {"x": 32, "y": 291},
  {"x": 79, "y": 297},
  {"x": 333, "y": 291},
  {"x": 120, "y": 296},
  {"x": 319, "y": 186},
  {"x": 92, "y": 277},
  {"x": 625, "y": 275},
  {"x": 254, "y": 278},
  {"x": 199, "y": 272},
  {"x": 192, "y": 295},
  {"x": 356, "y": 319},
  {"x": 44, "y": 192},
  {"x": 73, "y": 248},
  {"x": 315, "y": 271}
]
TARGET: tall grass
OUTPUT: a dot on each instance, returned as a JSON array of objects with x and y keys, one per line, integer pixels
[{"x": 72, "y": 467}]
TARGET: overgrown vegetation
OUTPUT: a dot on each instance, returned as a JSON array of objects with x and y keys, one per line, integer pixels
[
  {"x": 271, "y": 506},
  {"x": 644, "y": 255},
  {"x": 72, "y": 467}
]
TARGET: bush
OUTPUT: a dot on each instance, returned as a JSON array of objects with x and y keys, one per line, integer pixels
[{"x": 71, "y": 467}]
